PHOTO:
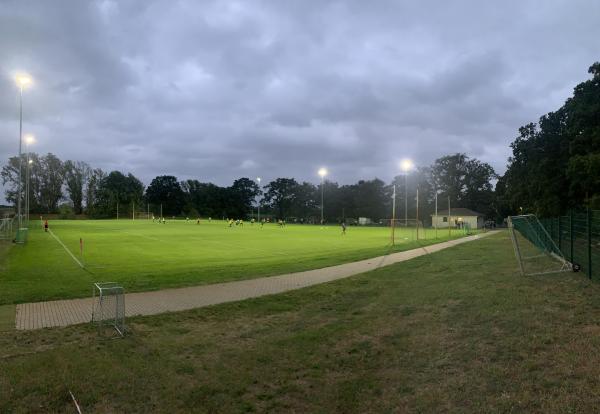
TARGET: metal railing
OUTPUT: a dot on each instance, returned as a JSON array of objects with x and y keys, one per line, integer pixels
[{"x": 577, "y": 235}]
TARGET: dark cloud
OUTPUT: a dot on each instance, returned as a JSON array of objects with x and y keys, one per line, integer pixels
[{"x": 222, "y": 89}]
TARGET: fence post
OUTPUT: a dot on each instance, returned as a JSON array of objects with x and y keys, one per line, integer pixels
[
  {"x": 589, "y": 241},
  {"x": 571, "y": 232},
  {"x": 559, "y": 235}
]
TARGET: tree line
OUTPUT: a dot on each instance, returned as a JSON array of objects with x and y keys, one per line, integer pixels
[
  {"x": 56, "y": 186},
  {"x": 555, "y": 163}
]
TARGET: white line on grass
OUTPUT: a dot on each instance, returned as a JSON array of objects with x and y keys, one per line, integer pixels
[{"x": 66, "y": 249}]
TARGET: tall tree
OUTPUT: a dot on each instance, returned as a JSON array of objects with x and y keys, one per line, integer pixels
[
  {"x": 242, "y": 194},
  {"x": 280, "y": 196},
  {"x": 76, "y": 175},
  {"x": 165, "y": 190},
  {"x": 52, "y": 177},
  {"x": 549, "y": 170},
  {"x": 93, "y": 192}
]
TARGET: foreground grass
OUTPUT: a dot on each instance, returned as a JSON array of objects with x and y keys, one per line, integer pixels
[
  {"x": 456, "y": 331},
  {"x": 142, "y": 255}
]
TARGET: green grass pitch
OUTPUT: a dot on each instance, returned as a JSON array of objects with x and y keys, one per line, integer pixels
[{"x": 142, "y": 255}]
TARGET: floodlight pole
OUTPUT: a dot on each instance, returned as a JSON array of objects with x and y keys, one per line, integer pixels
[
  {"x": 27, "y": 190},
  {"x": 406, "y": 199},
  {"x": 322, "y": 198},
  {"x": 20, "y": 187},
  {"x": 394, "y": 216}
]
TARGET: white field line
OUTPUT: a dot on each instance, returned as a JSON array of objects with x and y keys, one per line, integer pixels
[{"x": 66, "y": 249}]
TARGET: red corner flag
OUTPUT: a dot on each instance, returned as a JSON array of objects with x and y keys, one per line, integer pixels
[{"x": 81, "y": 246}]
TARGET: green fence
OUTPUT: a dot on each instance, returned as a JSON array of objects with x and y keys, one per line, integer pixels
[{"x": 577, "y": 235}]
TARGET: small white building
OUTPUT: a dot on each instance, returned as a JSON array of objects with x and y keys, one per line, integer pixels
[{"x": 458, "y": 218}]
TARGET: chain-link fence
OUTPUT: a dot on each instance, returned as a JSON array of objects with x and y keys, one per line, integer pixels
[{"x": 577, "y": 235}]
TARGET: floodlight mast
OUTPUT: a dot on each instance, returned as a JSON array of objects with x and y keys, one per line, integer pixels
[
  {"x": 322, "y": 174},
  {"x": 22, "y": 81},
  {"x": 406, "y": 165}
]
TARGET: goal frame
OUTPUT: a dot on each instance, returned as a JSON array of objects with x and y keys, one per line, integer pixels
[
  {"x": 103, "y": 313},
  {"x": 554, "y": 252}
]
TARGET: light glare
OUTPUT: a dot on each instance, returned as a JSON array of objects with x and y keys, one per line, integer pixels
[
  {"x": 23, "y": 80},
  {"x": 406, "y": 165},
  {"x": 29, "y": 139},
  {"x": 323, "y": 172}
]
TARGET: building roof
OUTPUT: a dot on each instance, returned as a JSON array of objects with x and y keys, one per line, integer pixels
[{"x": 459, "y": 212}]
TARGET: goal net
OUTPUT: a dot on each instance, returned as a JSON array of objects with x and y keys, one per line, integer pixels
[
  {"x": 535, "y": 250},
  {"x": 6, "y": 228},
  {"x": 142, "y": 215},
  {"x": 108, "y": 307},
  {"x": 409, "y": 229}
]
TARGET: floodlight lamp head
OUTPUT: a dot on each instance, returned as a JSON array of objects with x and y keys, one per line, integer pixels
[
  {"x": 258, "y": 179},
  {"x": 23, "y": 80},
  {"x": 406, "y": 165},
  {"x": 29, "y": 139},
  {"x": 322, "y": 172}
]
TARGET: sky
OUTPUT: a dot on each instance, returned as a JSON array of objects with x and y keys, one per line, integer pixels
[{"x": 217, "y": 90}]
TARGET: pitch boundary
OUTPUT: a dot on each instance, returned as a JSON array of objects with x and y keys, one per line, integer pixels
[{"x": 66, "y": 249}]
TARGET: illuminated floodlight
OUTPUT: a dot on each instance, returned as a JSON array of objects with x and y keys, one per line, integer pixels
[
  {"x": 23, "y": 80},
  {"x": 29, "y": 139},
  {"x": 406, "y": 165},
  {"x": 322, "y": 172}
]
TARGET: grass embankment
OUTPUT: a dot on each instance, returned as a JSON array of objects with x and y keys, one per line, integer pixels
[
  {"x": 456, "y": 331},
  {"x": 141, "y": 255}
]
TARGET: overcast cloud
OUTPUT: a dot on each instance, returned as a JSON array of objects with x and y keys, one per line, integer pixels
[{"x": 216, "y": 90}]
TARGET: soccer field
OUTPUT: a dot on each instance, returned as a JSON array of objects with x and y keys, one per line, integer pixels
[{"x": 142, "y": 255}]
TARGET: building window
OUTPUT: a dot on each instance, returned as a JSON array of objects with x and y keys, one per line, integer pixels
[{"x": 445, "y": 220}]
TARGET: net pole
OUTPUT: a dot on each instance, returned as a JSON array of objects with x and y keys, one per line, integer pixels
[
  {"x": 449, "y": 219},
  {"x": 394, "y": 216},
  {"x": 571, "y": 234},
  {"x": 436, "y": 213},
  {"x": 417, "y": 213},
  {"x": 589, "y": 242}
]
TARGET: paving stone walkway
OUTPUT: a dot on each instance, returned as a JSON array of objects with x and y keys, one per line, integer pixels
[{"x": 75, "y": 311}]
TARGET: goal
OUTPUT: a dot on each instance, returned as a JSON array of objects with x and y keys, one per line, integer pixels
[
  {"x": 6, "y": 228},
  {"x": 108, "y": 307},
  {"x": 142, "y": 215},
  {"x": 535, "y": 250}
]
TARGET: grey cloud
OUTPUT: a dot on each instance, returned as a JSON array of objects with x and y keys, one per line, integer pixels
[{"x": 222, "y": 89}]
